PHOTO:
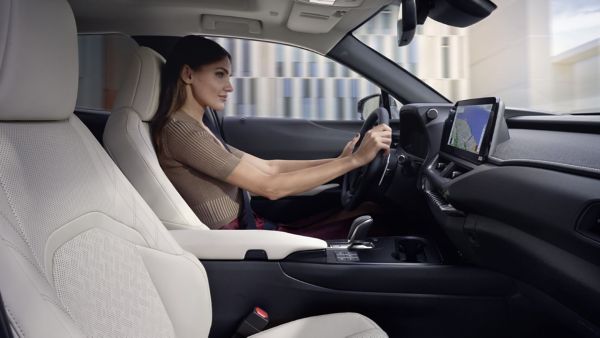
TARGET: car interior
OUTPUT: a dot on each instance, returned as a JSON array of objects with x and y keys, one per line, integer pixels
[{"x": 493, "y": 233}]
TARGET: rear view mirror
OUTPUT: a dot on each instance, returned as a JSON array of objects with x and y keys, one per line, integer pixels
[
  {"x": 460, "y": 13},
  {"x": 407, "y": 22},
  {"x": 456, "y": 13}
]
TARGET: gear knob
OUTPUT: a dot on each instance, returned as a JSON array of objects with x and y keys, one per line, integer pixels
[{"x": 360, "y": 228}]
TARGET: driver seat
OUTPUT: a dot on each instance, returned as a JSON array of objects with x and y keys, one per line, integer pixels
[
  {"x": 128, "y": 140},
  {"x": 81, "y": 253}
]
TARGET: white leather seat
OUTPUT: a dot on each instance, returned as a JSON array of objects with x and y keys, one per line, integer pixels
[
  {"x": 127, "y": 139},
  {"x": 81, "y": 253}
]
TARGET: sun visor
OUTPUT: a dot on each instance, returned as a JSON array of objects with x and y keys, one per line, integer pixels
[{"x": 316, "y": 16}]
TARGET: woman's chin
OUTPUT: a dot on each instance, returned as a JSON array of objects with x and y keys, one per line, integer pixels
[{"x": 218, "y": 106}]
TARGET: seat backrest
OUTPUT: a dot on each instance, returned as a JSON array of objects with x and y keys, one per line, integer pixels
[
  {"x": 81, "y": 253},
  {"x": 128, "y": 141}
]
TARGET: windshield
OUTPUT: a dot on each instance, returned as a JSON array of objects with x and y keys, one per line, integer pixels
[{"x": 542, "y": 55}]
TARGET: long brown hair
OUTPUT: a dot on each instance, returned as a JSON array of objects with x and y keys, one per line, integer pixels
[{"x": 194, "y": 51}]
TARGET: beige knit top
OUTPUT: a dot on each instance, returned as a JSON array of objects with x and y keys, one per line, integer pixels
[{"x": 197, "y": 165}]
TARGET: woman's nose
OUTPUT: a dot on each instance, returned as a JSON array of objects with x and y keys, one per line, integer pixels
[{"x": 228, "y": 87}]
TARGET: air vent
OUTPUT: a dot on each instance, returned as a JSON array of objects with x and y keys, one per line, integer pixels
[
  {"x": 443, "y": 205},
  {"x": 314, "y": 16}
]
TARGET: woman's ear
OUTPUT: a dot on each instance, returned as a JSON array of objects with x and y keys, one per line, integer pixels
[{"x": 186, "y": 74}]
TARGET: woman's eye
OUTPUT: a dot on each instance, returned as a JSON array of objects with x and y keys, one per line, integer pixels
[{"x": 220, "y": 75}]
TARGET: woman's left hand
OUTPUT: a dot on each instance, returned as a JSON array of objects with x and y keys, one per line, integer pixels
[{"x": 349, "y": 147}]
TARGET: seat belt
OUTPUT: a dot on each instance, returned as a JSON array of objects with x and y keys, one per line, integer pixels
[
  {"x": 254, "y": 323},
  {"x": 247, "y": 215},
  {"x": 5, "y": 330}
]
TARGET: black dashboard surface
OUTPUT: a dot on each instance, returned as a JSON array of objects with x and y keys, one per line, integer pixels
[
  {"x": 532, "y": 211},
  {"x": 579, "y": 152},
  {"x": 557, "y": 142}
]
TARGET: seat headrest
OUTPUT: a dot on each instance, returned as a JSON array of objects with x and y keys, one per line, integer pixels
[
  {"x": 140, "y": 88},
  {"x": 38, "y": 60}
]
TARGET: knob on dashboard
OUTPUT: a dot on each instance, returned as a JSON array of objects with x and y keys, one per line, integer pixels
[{"x": 431, "y": 114}]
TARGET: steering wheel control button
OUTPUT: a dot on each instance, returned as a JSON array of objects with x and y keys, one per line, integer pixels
[{"x": 401, "y": 158}]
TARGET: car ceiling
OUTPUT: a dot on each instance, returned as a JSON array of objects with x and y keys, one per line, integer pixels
[{"x": 295, "y": 22}]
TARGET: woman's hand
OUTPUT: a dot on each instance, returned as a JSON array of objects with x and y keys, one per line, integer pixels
[
  {"x": 349, "y": 146},
  {"x": 376, "y": 139}
]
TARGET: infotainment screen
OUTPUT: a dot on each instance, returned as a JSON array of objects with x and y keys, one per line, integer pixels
[
  {"x": 468, "y": 131},
  {"x": 469, "y": 127}
]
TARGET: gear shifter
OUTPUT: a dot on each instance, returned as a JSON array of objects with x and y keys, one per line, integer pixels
[{"x": 357, "y": 236}]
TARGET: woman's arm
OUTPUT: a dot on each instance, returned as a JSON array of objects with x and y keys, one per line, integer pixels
[
  {"x": 275, "y": 185},
  {"x": 273, "y": 167}
]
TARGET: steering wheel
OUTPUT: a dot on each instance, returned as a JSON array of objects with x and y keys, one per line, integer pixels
[{"x": 356, "y": 181}]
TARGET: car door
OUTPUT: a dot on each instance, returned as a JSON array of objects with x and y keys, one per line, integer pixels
[{"x": 292, "y": 139}]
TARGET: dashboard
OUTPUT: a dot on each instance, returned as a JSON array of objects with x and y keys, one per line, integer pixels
[{"x": 529, "y": 207}]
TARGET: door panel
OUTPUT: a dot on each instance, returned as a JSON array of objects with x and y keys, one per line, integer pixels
[
  {"x": 286, "y": 138},
  {"x": 291, "y": 139}
]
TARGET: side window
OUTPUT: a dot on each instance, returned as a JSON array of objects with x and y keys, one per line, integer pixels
[
  {"x": 273, "y": 80},
  {"x": 103, "y": 59}
]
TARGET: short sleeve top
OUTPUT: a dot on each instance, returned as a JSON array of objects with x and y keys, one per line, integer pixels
[{"x": 197, "y": 164}]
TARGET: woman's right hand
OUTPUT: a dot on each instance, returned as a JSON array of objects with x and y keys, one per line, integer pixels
[{"x": 377, "y": 139}]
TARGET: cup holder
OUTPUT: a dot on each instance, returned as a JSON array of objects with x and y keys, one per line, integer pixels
[{"x": 410, "y": 250}]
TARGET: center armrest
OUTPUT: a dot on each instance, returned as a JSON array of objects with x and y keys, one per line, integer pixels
[{"x": 234, "y": 244}]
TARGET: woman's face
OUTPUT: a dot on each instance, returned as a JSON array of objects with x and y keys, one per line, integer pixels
[{"x": 211, "y": 84}]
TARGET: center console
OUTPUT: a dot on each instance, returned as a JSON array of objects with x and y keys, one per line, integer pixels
[
  {"x": 384, "y": 250},
  {"x": 471, "y": 132}
]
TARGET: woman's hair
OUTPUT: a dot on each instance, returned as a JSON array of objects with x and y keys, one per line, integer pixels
[{"x": 194, "y": 51}]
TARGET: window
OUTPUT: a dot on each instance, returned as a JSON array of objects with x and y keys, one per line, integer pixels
[
  {"x": 269, "y": 80},
  {"x": 291, "y": 82},
  {"x": 445, "y": 58},
  {"x": 548, "y": 59},
  {"x": 103, "y": 60}
]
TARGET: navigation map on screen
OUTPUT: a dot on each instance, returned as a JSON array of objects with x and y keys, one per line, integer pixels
[{"x": 469, "y": 127}]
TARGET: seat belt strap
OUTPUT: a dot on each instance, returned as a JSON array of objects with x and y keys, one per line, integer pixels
[{"x": 246, "y": 216}]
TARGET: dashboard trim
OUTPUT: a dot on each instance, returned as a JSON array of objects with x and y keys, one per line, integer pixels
[{"x": 550, "y": 165}]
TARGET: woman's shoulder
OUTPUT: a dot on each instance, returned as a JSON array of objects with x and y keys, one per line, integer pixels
[
  {"x": 182, "y": 121},
  {"x": 181, "y": 117}
]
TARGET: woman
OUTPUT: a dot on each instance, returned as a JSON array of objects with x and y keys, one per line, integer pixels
[{"x": 210, "y": 174}]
